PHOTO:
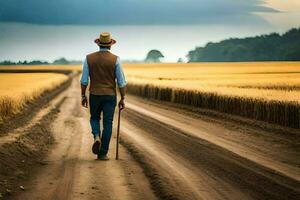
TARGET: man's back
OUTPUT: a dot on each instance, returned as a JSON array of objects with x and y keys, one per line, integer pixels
[{"x": 102, "y": 73}]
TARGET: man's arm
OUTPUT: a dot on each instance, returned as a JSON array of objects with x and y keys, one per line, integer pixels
[
  {"x": 122, "y": 92},
  {"x": 121, "y": 81},
  {"x": 84, "y": 83},
  {"x": 83, "y": 90}
]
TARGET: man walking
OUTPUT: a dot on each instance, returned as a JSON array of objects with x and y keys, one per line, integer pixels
[{"x": 104, "y": 71}]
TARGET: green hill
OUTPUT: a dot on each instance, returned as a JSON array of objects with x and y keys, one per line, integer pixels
[{"x": 272, "y": 47}]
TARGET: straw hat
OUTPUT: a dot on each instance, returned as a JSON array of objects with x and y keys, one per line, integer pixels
[{"x": 105, "y": 40}]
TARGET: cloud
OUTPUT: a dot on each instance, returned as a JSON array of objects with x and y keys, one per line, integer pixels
[{"x": 121, "y": 12}]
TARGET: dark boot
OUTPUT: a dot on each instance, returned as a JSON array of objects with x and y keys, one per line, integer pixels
[{"x": 97, "y": 145}]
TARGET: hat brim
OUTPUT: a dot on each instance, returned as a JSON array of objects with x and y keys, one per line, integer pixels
[{"x": 97, "y": 41}]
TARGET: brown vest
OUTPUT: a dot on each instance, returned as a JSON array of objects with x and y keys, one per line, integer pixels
[{"x": 102, "y": 73}]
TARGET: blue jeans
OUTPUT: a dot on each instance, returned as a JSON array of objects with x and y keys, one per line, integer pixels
[{"x": 104, "y": 104}]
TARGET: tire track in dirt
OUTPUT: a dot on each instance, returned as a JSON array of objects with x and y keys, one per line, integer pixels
[
  {"x": 177, "y": 178},
  {"x": 23, "y": 148},
  {"x": 214, "y": 134},
  {"x": 224, "y": 174}
]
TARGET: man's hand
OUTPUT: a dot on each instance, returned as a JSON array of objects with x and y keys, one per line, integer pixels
[
  {"x": 84, "y": 101},
  {"x": 122, "y": 104}
]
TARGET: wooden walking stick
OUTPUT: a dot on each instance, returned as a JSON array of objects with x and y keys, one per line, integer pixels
[{"x": 118, "y": 134}]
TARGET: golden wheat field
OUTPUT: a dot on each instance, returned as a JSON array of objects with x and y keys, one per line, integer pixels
[
  {"x": 268, "y": 91},
  {"x": 17, "y": 89},
  {"x": 269, "y": 81}
]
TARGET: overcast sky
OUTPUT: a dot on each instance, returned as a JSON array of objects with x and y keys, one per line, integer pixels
[
  {"x": 147, "y": 24},
  {"x": 133, "y": 12},
  {"x": 282, "y": 14}
]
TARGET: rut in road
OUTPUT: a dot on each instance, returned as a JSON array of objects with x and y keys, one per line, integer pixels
[
  {"x": 72, "y": 172},
  {"x": 188, "y": 167}
]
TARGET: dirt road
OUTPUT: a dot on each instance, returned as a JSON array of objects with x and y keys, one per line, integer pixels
[
  {"x": 71, "y": 171},
  {"x": 198, "y": 157},
  {"x": 166, "y": 153}
]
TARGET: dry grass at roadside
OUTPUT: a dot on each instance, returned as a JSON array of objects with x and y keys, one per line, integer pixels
[{"x": 17, "y": 89}]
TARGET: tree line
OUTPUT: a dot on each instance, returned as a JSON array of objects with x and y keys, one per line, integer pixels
[
  {"x": 60, "y": 61},
  {"x": 271, "y": 47}
]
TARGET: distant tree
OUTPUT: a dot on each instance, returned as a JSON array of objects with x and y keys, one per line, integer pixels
[
  {"x": 37, "y": 62},
  {"x": 61, "y": 61},
  {"x": 34, "y": 62},
  {"x": 180, "y": 60},
  {"x": 7, "y": 62},
  {"x": 154, "y": 56}
]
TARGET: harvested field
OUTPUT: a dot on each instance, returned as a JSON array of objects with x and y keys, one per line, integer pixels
[
  {"x": 18, "y": 89},
  {"x": 266, "y": 91}
]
